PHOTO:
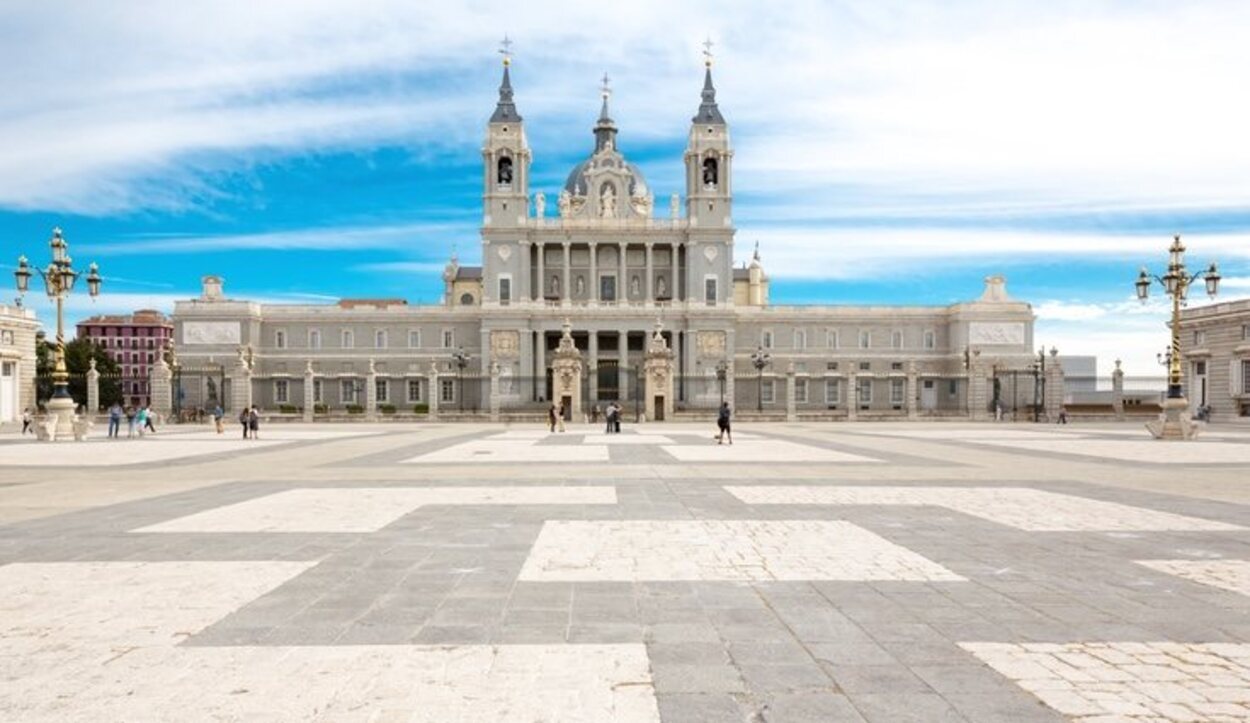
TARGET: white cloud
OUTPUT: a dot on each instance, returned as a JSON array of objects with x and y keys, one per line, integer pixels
[{"x": 414, "y": 235}]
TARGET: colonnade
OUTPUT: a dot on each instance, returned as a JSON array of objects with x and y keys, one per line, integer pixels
[{"x": 647, "y": 292}]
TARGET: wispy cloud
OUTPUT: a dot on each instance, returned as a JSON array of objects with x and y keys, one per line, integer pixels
[{"x": 351, "y": 237}]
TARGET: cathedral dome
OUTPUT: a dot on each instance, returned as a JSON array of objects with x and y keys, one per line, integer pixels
[{"x": 578, "y": 183}]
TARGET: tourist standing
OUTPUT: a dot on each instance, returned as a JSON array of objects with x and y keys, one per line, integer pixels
[
  {"x": 219, "y": 416},
  {"x": 551, "y": 418},
  {"x": 115, "y": 419},
  {"x": 616, "y": 420},
  {"x": 722, "y": 423},
  {"x": 141, "y": 419},
  {"x": 27, "y": 420},
  {"x": 130, "y": 421},
  {"x": 244, "y": 419},
  {"x": 560, "y": 416},
  {"x": 253, "y": 422},
  {"x": 607, "y": 417}
]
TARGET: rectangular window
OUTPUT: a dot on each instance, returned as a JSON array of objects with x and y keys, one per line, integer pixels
[
  {"x": 383, "y": 390},
  {"x": 709, "y": 291},
  {"x": 800, "y": 391},
  {"x": 865, "y": 366},
  {"x": 766, "y": 339},
  {"x": 831, "y": 339},
  {"x": 896, "y": 366},
  {"x": 505, "y": 291},
  {"x": 317, "y": 395},
  {"x": 952, "y": 388},
  {"x": 896, "y": 339},
  {"x": 832, "y": 392},
  {"x": 379, "y": 339},
  {"x": 897, "y": 391},
  {"x": 150, "y": 359},
  {"x": 314, "y": 339},
  {"x": 414, "y": 391},
  {"x": 800, "y": 339},
  {"x": 414, "y": 339},
  {"x": 1245, "y": 332},
  {"x": 863, "y": 388},
  {"x": 865, "y": 339},
  {"x": 449, "y": 338},
  {"x": 279, "y": 339},
  {"x": 1245, "y": 377},
  {"x": 1200, "y": 338},
  {"x": 831, "y": 366},
  {"x": 766, "y": 391},
  {"x": 347, "y": 390},
  {"x": 930, "y": 340},
  {"x": 447, "y": 390},
  {"x": 281, "y": 391},
  {"x": 348, "y": 339}
]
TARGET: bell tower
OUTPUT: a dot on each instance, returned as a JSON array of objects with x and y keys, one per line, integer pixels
[
  {"x": 709, "y": 160},
  {"x": 505, "y": 159}
]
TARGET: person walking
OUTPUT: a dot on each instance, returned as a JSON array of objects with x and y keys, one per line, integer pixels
[
  {"x": 253, "y": 422},
  {"x": 219, "y": 416},
  {"x": 722, "y": 423},
  {"x": 244, "y": 418},
  {"x": 130, "y": 422},
  {"x": 115, "y": 419},
  {"x": 616, "y": 420},
  {"x": 148, "y": 415},
  {"x": 27, "y": 420},
  {"x": 607, "y": 417},
  {"x": 560, "y": 417},
  {"x": 551, "y": 418},
  {"x": 141, "y": 419}
]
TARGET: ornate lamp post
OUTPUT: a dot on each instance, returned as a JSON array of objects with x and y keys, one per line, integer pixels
[
  {"x": 462, "y": 360},
  {"x": 760, "y": 359},
  {"x": 1176, "y": 283},
  {"x": 1038, "y": 369},
  {"x": 58, "y": 280},
  {"x": 722, "y": 372}
]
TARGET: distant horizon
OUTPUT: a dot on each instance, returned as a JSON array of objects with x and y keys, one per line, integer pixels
[{"x": 925, "y": 149}]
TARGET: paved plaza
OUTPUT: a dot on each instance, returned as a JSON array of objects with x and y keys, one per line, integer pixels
[{"x": 472, "y": 572}]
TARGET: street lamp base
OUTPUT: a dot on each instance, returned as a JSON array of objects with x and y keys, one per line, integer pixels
[
  {"x": 1174, "y": 422},
  {"x": 62, "y": 409}
]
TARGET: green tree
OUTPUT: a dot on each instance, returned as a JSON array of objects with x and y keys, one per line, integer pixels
[{"x": 78, "y": 356}]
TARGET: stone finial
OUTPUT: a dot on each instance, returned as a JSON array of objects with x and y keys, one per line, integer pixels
[
  {"x": 91, "y": 363},
  {"x": 1117, "y": 365},
  {"x": 211, "y": 288},
  {"x": 995, "y": 290},
  {"x": 308, "y": 369},
  {"x": 566, "y": 329},
  {"x": 494, "y": 369}
]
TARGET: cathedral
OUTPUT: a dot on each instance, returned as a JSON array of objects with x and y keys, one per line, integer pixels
[{"x": 578, "y": 302}]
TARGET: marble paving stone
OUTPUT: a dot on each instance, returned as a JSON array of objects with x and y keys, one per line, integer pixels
[
  {"x": 148, "y": 450},
  {"x": 365, "y": 509},
  {"x": 626, "y": 439},
  {"x": 1129, "y": 681},
  {"x": 1025, "y": 509},
  {"x": 510, "y": 451},
  {"x": 1231, "y": 575},
  {"x": 760, "y": 550},
  {"x": 764, "y": 450},
  {"x": 99, "y": 641},
  {"x": 1142, "y": 451}
]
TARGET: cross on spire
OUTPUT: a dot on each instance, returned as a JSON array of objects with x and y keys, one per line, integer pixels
[
  {"x": 707, "y": 51},
  {"x": 605, "y": 89},
  {"x": 505, "y": 49}
]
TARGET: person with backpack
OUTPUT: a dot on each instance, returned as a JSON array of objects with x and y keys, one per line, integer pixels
[
  {"x": 115, "y": 419},
  {"x": 219, "y": 415},
  {"x": 253, "y": 422},
  {"x": 245, "y": 417},
  {"x": 722, "y": 423}
]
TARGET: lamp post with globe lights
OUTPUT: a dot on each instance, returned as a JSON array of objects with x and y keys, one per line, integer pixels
[
  {"x": 760, "y": 359},
  {"x": 1176, "y": 283},
  {"x": 58, "y": 280}
]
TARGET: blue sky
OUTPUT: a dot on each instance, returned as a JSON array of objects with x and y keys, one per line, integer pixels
[{"x": 886, "y": 153}]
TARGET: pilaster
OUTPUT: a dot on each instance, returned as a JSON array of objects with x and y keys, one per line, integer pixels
[
  {"x": 791, "y": 411},
  {"x": 852, "y": 397},
  {"x": 93, "y": 388},
  {"x": 912, "y": 412},
  {"x": 435, "y": 392},
  {"x": 310, "y": 398},
  {"x": 1117, "y": 391},
  {"x": 371, "y": 392},
  {"x": 494, "y": 392},
  {"x": 1055, "y": 388},
  {"x": 160, "y": 381}
]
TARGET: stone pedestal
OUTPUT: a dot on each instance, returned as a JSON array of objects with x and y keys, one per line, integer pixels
[
  {"x": 1174, "y": 421},
  {"x": 978, "y": 393},
  {"x": 1055, "y": 389},
  {"x": 657, "y": 369},
  {"x": 310, "y": 396},
  {"x": 93, "y": 389},
  {"x": 160, "y": 384},
  {"x": 241, "y": 384},
  {"x": 1117, "y": 392},
  {"x": 371, "y": 392},
  {"x": 61, "y": 409},
  {"x": 566, "y": 374}
]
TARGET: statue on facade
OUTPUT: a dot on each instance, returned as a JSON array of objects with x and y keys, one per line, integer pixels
[
  {"x": 563, "y": 204},
  {"x": 634, "y": 286},
  {"x": 581, "y": 286},
  {"x": 540, "y": 205},
  {"x": 607, "y": 202},
  {"x": 555, "y": 284},
  {"x": 661, "y": 289}
]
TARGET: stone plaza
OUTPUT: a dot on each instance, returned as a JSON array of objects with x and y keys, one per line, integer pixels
[{"x": 488, "y": 572}]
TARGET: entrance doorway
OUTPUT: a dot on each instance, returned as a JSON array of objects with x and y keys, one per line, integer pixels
[
  {"x": 659, "y": 407},
  {"x": 928, "y": 395},
  {"x": 8, "y": 391},
  {"x": 1198, "y": 392}
]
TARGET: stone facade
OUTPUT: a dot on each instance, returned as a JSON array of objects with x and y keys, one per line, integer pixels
[
  {"x": 136, "y": 342},
  {"x": 1215, "y": 353},
  {"x": 17, "y": 361},
  {"x": 606, "y": 262}
]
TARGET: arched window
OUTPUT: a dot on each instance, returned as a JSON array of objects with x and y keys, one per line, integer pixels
[
  {"x": 503, "y": 171},
  {"x": 466, "y": 299},
  {"x": 711, "y": 174}
]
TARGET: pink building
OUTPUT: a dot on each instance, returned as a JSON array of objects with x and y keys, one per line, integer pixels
[{"x": 134, "y": 341}]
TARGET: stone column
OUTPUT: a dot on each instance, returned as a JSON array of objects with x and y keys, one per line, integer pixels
[
  {"x": 622, "y": 344},
  {"x": 240, "y": 384},
  {"x": 649, "y": 296},
  {"x": 1117, "y": 391},
  {"x": 912, "y": 411},
  {"x": 371, "y": 392},
  {"x": 566, "y": 286},
  {"x": 431, "y": 384},
  {"x": 93, "y": 388},
  {"x": 494, "y": 392},
  {"x": 674, "y": 283},
  {"x": 540, "y": 362},
  {"x": 160, "y": 385},
  {"x": 852, "y": 396},
  {"x": 978, "y": 393},
  {"x": 592, "y": 368},
  {"x": 310, "y": 397},
  {"x": 541, "y": 291},
  {"x": 1055, "y": 388},
  {"x": 791, "y": 411},
  {"x": 622, "y": 284},
  {"x": 594, "y": 271}
]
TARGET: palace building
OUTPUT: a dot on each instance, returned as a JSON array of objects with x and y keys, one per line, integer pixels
[{"x": 568, "y": 302}]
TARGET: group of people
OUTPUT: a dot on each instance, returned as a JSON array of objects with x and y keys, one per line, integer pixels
[
  {"x": 139, "y": 419},
  {"x": 612, "y": 414},
  {"x": 249, "y": 418}
]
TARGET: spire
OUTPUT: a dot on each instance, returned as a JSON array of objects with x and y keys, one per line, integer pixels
[
  {"x": 708, "y": 111},
  {"x": 505, "y": 110},
  {"x": 605, "y": 128}
]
